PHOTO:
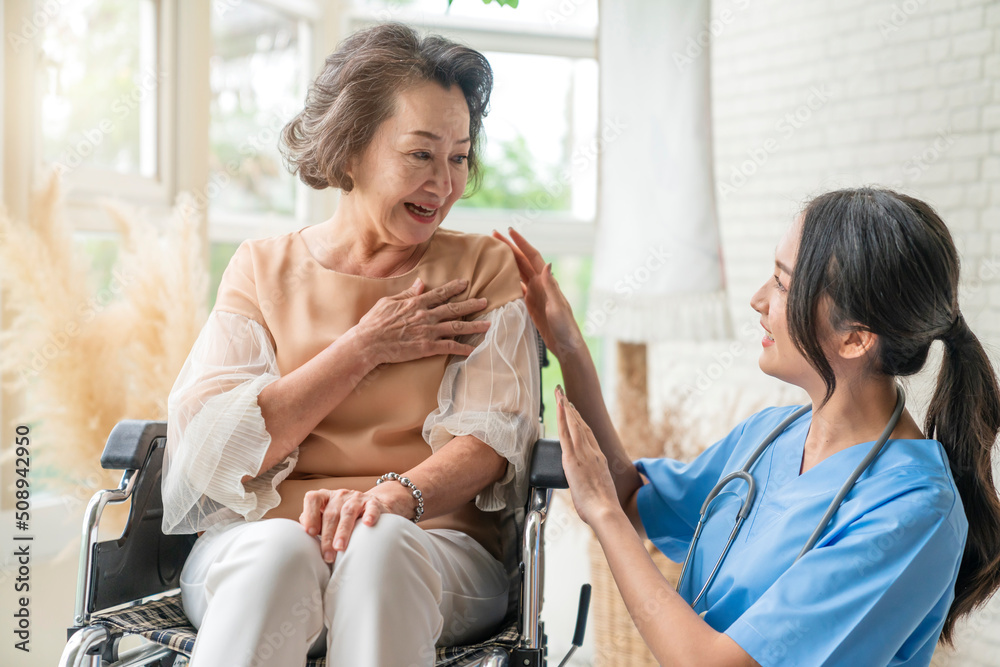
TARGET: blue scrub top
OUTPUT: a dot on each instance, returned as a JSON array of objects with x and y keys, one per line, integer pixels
[{"x": 874, "y": 590}]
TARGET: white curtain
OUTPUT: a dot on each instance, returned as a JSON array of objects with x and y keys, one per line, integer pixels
[{"x": 658, "y": 267}]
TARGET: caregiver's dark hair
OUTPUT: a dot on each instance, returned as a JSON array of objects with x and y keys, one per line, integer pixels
[
  {"x": 888, "y": 265},
  {"x": 356, "y": 92}
]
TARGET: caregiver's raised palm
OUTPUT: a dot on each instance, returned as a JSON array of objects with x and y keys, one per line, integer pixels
[{"x": 547, "y": 305}]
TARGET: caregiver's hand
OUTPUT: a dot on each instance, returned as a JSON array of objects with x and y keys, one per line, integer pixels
[
  {"x": 333, "y": 514},
  {"x": 547, "y": 305},
  {"x": 415, "y": 324},
  {"x": 585, "y": 465}
]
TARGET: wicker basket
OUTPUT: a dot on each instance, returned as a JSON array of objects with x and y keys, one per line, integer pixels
[{"x": 616, "y": 641}]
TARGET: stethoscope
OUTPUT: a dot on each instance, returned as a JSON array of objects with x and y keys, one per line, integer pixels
[{"x": 744, "y": 474}]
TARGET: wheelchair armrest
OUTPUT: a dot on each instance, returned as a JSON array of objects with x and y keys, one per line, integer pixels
[
  {"x": 129, "y": 443},
  {"x": 545, "y": 469}
]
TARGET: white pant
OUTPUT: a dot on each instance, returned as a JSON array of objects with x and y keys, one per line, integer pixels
[{"x": 261, "y": 594}]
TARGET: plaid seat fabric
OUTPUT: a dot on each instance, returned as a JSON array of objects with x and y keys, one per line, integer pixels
[{"x": 163, "y": 621}]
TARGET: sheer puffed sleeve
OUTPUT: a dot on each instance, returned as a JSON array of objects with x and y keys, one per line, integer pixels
[
  {"x": 215, "y": 430},
  {"x": 493, "y": 394}
]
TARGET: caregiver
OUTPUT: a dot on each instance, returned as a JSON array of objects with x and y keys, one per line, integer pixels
[{"x": 864, "y": 281}]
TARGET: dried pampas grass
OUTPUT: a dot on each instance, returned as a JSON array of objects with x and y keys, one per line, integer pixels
[{"x": 85, "y": 360}]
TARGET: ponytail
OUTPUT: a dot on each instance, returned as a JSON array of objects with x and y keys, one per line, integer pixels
[
  {"x": 964, "y": 415},
  {"x": 886, "y": 263}
]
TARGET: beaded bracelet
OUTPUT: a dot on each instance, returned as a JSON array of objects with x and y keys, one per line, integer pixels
[{"x": 405, "y": 481}]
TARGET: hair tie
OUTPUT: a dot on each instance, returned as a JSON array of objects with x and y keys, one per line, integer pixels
[{"x": 956, "y": 332}]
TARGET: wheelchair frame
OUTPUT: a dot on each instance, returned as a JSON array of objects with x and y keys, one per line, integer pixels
[{"x": 136, "y": 447}]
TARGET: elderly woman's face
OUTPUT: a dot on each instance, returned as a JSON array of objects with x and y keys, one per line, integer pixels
[{"x": 416, "y": 166}]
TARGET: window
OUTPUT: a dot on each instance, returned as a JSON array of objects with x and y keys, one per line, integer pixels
[
  {"x": 532, "y": 159},
  {"x": 100, "y": 98},
  {"x": 259, "y": 74},
  {"x": 256, "y": 75},
  {"x": 99, "y": 89}
]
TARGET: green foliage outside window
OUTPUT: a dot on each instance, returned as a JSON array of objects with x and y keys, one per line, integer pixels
[{"x": 515, "y": 181}]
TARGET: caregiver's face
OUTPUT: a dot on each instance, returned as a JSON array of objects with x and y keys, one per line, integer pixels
[
  {"x": 779, "y": 356},
  {"x": 416, "y": 167}
]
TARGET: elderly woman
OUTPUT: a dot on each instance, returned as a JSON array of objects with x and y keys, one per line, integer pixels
[{"x": 356, "y": 411}]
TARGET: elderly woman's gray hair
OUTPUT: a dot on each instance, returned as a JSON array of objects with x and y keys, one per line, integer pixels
[{"x": 356, "y": 92}]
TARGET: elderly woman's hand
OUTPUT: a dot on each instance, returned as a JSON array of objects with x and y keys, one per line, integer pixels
[
  {"x": 333, "y": 514},
  {"x": 415, "y": 324},
  {"x": 547, "y": 305}
]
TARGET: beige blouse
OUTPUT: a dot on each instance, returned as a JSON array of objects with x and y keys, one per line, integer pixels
[{"x": 277, "y": 308}]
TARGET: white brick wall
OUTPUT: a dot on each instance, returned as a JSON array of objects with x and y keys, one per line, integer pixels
[
  {"x": 818, "y": 95},
  {"x": 835, "y": 93}
]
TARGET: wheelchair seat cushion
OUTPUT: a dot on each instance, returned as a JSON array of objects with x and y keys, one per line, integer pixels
[{"x": 163, "y": 621}]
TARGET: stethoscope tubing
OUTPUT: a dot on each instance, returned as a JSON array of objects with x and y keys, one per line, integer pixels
[
  {"x": 849, "y": 484},
  {"x": 745, "y": 474}
]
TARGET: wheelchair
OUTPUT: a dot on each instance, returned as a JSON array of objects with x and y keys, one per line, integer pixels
[{"x": 130, "y": 585}]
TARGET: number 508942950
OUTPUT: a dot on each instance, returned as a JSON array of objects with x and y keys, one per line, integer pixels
[{"x": 22, "y": 467}]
